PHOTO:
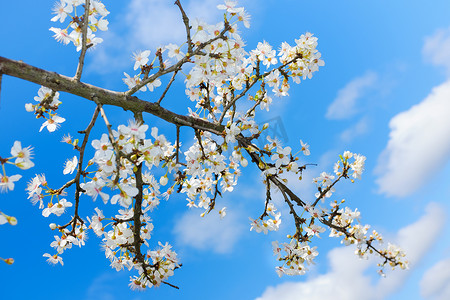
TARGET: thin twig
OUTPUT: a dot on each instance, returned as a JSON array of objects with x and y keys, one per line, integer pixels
[
  {"x": 268, "y": 199},
  {"x": 328, "y": 188},
  {"x": 178, "y": 144},
  {"x": 1, "y": 76},
  {"x": 65, "y": 186},
  {"x": 78, "y": 189},
  {"x": 297, "y": 219},
  {"x": 199, "y": 138},
  {"x": 186, "y": 25},
  {"x": 168, "y": 86},
  {"x": 171, "y": 285}
]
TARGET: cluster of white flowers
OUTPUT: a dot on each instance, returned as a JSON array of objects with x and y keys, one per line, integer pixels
[
  {"x": 396, "y": 256},
  {"x": 38, "y": 189},
  {"x": 298, "y": 256},
  {"x": 158, "y": 264},
  {"x": 341, "y": 168},
  {"x": 141, "y": 62},
  {"x": 355, "y": 233},
  {"x": 343, "y": 165},
  {"x": 324, "y": 182},
  {"x": 46, "y": 108},
  {"x": 207, "y": 169},
  {"x": 272, "y": 224},
  {"x": 164, "y": 262},
  {"x": 345, "y": 218},
  {"x": 97, "y": 14},
  {"x": 134, "y": 149},
  {"x": 285, "y": 161},
  {"x": 76, "y": 237}
]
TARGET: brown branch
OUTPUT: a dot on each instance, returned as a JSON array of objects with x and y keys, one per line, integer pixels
[
  {"x": 86, "y": 133},
  {"x": 207, "y": 98},
  {"x": 258, "y": 102},
  {"x": 297, "y": 220},
  {"x": 199, "y": 138},
  {"x": 167, "y": 87},
  {"x": 323, "y": 193},
  {"x": 186, "y": 25},
  {"x": 84, "y": 29},
  {"x": 1, "y": 76},
  {"x": 78, "y": 189},
  {"x": 137, "y": 241},
  {"x": 66, "y": 185},
  {"x": 367, "y": 242},
  {"x": 268, "y": 198},
  {"x": 212, "y": 204},
  {"x": 171, "y": 285},
  {"x": 178, "y": 145},
  {"x": 243, "y": 141},
  {"x": 103, "y": 96}
]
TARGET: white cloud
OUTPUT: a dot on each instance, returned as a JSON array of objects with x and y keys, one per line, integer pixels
[
  {"x": 209, "y": 232},
  {"x": 418, "y": 146},
  {"x": 435, "y": 282},
  {"x": 437, "y": 48},
  {"x": 419, "y": 236},
  {"x": 344, "y": 105},
  {"x": 347, "y": 279}
]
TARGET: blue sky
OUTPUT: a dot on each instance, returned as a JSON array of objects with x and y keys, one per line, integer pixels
[{"x": 384, "y": 92}]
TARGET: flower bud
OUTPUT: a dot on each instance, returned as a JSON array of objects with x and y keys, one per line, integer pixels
[
  {"x": 9, "y": 261},
  {"x": 12, "y": 221},
  {"x": 52, "y": 226},
  {"x": 244, "y": 162},
  {"x": 163, "y": 180},
  {"x": 29, "y": 107}
]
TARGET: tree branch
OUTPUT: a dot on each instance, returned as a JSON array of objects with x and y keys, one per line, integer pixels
[
  {"x": 168, "y": 86},
  {"x": 186, "y": 24},
  {"x": 63, "y": 83},
  {"x": 1, "y": 76},
  {"x": 84, "y": 47}
]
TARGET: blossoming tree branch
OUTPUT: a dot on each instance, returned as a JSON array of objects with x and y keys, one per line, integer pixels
[{"x": 227, "y": 86}]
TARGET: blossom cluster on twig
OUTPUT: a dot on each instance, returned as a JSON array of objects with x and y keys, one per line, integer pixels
[{"x": 134, "y": 170}]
